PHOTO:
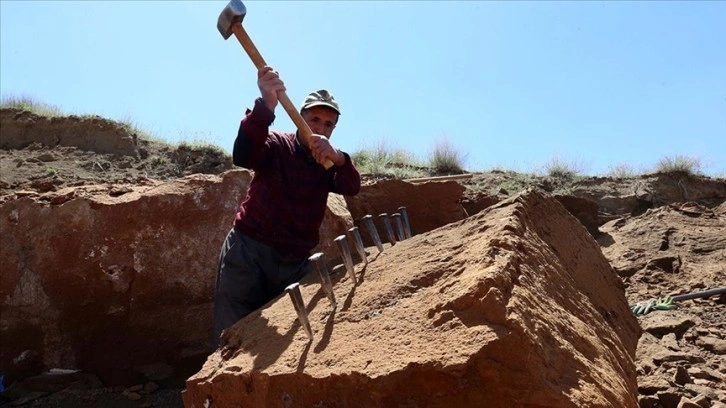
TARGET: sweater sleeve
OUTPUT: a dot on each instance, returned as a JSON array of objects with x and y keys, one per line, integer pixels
[
  {"x": 346, "y": 178},
  {"x": 250, "y": 145}
]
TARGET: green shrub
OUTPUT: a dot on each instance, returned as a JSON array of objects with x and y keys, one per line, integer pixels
[{"x": 51, "y": 171}]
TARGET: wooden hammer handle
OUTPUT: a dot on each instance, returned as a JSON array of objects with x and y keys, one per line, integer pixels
[{"x": 282, "y": 97}]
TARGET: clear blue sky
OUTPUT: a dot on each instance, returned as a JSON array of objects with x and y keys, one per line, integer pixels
[{"x": 510, "y": 84}]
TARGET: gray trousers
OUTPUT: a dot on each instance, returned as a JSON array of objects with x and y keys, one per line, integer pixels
[{"x": 249, "y": 275}]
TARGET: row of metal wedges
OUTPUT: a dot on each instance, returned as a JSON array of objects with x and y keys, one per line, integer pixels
[{"x": 397, "y": 229}]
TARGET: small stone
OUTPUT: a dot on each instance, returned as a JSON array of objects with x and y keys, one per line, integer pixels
[
  {"x": 686, "y": 403},
  {"x": 662, "y": 323},
  {"x": 705, "y": 373},
  {"x": 150, "y": 387},
  {"x": 690, "y": 336},
  {"x": 677, "y": 356},
  {"x": 706, "y": 390},
  {"x": 47, "y": 157},
  {"x": 647, "y": 401},
  {"x": 652, "y": 384},
  {"x": 669, "y": 398},
  {"x": 135, "y": 388},
  {"x": 24, "y": 193},
  {"x": 682, "y": 377},
  {"x": 702, "y": 401},
  {"x": 669, "y": 340},
  {"x": 62, "y": 198},
  {"x": 702, "y": 332},
  {"x": 713, "y": 344},
  {"x": 645, "y": 367},
  {"x": 133, "y": 396}
]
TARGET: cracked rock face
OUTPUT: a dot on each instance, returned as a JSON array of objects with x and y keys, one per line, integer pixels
[{"x": 513, "y": 307}]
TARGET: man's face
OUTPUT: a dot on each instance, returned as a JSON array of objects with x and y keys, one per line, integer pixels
[{"x": 321, "y": 120}]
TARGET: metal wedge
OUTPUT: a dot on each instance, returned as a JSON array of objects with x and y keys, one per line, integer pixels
[
  {"x": 359, "y": 244},
  {"x": 398, "y": 224},
  {"x": 387, "y": 226},
  {"x": 404, "y": 218},
  {"x": 368, "y": 221},
  {"x": 342, "y": 242},
  {"x": 319, "y": 265},
  {"x": 302, "y": 314}
]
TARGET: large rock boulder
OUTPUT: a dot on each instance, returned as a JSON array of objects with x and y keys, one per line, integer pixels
[
  {"x": 117, "y": 280},
  {"x": 513, "y": 307}
]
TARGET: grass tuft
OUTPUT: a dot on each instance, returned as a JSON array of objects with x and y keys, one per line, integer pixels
[
  {"x": 679, "y": 163},
  {"x": 51, "y": 171},
  {"x": 382, "y": 160},
  {"x": 561, "y": 169},
  {"x": 30, "y": 104},
  {"x": 133, "y": 127},
  {"x": 446, "y": 158},
  {"x": 622, "y": 171}
]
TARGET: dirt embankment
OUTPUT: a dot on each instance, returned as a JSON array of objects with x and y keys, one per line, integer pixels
[{"x": 41, "y": 154}]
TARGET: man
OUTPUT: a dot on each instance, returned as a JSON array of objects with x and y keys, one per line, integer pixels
[{"x": 277, "y": 223}]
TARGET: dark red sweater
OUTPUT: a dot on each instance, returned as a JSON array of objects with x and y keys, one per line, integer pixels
[{"x": 286, "y": 200}]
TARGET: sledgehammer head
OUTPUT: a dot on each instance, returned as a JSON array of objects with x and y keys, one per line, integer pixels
[{"x": 234, "y": 12}]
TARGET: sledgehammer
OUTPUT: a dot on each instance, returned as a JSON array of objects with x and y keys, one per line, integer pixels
[{"x": 230, "y": 22}]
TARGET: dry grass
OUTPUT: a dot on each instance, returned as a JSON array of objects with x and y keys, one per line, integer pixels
[
  {"x": 30, "y": 104},
  {"x": 562, "y": 169},
  {"x": 446, "y": 158},
  {"x": 679, "y": 163},
  {"x": 622, "y": 170},
  {"x": 383, "y": 160}
]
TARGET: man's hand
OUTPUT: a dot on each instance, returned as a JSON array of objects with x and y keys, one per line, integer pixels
[
  {"x": 321, "y": 149},
  {"x": 269, "y": 83}
]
